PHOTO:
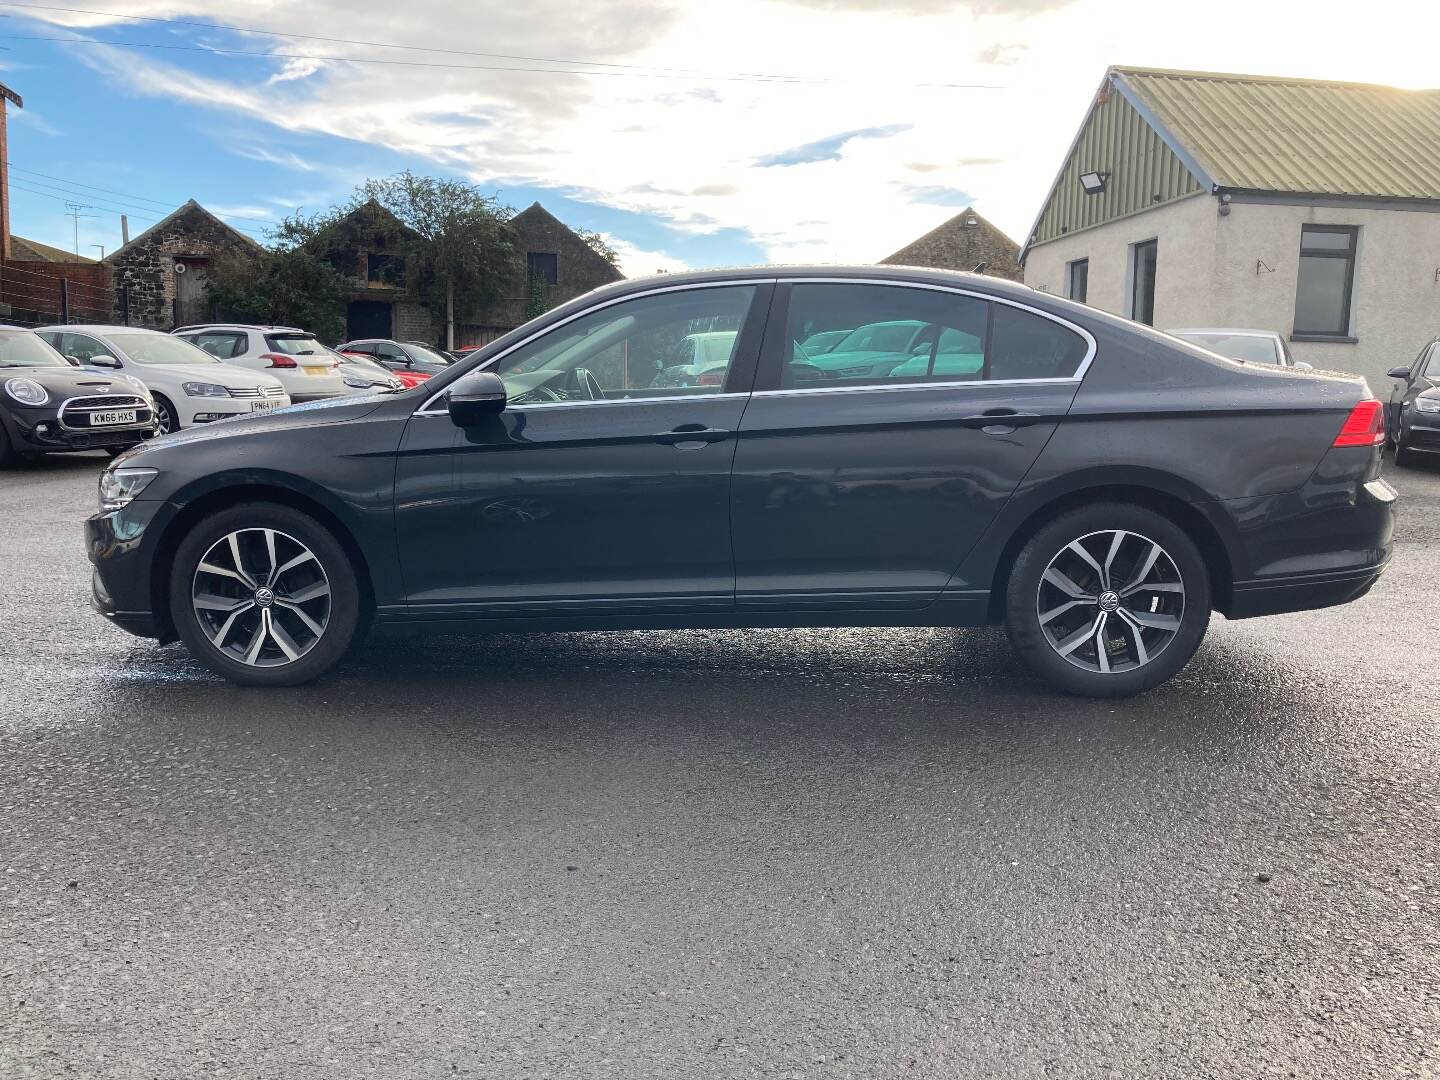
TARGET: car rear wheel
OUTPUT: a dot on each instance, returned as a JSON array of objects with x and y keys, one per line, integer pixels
[
  {"x": 265, "y": 595},
  {"x": 1108, "y": 601}
]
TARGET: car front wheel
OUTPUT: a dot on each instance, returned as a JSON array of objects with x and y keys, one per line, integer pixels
[
  {"x": 265, "y": 595},
  {"x": 1108, "y": 600}
]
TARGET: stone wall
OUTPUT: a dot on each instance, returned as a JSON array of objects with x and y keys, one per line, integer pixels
[{"x": 145, "y": 267}]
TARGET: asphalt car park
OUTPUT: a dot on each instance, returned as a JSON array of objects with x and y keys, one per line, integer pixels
[{"x": 851, "y": 852}]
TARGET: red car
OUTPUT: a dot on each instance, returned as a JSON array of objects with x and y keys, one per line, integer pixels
[{"x": 407, "y": 376}]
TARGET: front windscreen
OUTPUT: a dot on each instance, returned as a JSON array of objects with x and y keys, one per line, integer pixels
[
  {"x": 160, "y": 349},
  {"x": 21, "y": 348}
]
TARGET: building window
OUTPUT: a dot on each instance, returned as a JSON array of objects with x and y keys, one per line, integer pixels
[
  {"x": 542, "y": 266},
  {"x": 1077, "y": 280},
  {"x": 1327, "y": 276},
  {"x": 383, "y": 269},
  {"x": 1142, "y": 281}
]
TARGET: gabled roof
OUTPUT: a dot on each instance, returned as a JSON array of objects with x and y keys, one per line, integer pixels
[
  {"x": 963, "y": 243},
  {"x": 22, "y": 250},
  {"x": 1300, "y": 136},
  {"x": 190, "y": 207},
  {"x": 372, "y": 210},
  {"x": 537, "y": 217}
]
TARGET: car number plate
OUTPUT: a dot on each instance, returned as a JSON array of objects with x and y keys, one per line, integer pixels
[
  {"x": 264, "y": 406},
  {"x": 312, "y": 370},
  {"x": 112, "y": 416}
]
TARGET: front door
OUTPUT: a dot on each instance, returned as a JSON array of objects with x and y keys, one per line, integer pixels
[
  {"x": 191, "y": 280},
  {"x": 604, "y": 486},
  {"x": 866, "y": 471}
]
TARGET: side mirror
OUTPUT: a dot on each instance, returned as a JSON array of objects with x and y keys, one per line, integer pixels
[
  {"x": 1301, "y": 365},
  {"x": 1399, "y": 373},
  {"x": 474, "y": 397},
  {"x": 74, "y": 361},
  {"x": 102, "y": 360}
]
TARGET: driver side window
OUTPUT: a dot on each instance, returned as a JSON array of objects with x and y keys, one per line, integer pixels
[{"x": 670, "y": 344}]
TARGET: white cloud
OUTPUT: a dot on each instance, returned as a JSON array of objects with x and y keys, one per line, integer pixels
[
  {"x": 636, "y": 262},
  {"x": 687, "y": 152}
]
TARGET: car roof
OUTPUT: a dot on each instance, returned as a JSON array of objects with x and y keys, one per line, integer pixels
[
  {"x": 238, "y": 326},
  {"x": 1233, "y": 330},
  {"x": 99, "y": 328}
]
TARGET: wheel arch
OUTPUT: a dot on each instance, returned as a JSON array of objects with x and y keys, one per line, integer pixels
[
  {"x": 1163, "y": 495},
  {"x": 221, "y": 496}
]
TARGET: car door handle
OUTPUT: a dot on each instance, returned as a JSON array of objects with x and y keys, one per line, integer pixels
[
  {"x": 691, "y": 436},
  {"x": 1001, "y": 421}
]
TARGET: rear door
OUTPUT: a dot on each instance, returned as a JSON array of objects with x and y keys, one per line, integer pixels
[{"x": 866, "y": 485}]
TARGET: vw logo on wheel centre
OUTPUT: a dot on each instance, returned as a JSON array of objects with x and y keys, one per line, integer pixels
[{"x": 264, "y": 596}]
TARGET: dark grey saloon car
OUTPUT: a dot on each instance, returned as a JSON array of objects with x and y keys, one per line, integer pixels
[{"x": 1097, "y": 487}]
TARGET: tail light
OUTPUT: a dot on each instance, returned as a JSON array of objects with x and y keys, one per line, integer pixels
[
  {"x": 279, "y": 360},
  {"x": 1365, "y": 426}
]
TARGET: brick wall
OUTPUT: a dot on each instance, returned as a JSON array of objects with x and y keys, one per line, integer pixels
[{"x": 31, "y": 292}]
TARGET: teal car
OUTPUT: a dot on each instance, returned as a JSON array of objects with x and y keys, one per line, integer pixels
[{"x": 897, "y": 349}]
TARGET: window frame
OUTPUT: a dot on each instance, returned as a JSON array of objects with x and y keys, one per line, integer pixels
[
  {"x": 1070, "y": 268},
  {"x": 774, "y": 349},
  {"x": 531, "y": 263},
  {"x": 1351, "y": 255},
  {"x": 1133, "y": 280},
  {"x": 739, "y": 379}
]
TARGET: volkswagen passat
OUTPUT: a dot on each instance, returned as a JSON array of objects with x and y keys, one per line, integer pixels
[{"x": 1097, "y": 487}]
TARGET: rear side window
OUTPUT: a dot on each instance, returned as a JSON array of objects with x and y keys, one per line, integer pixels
[
  {"x": 220, "y": 344},
  {"x": 1026, "y": 346},
  {"x": 846, "y": 335}
]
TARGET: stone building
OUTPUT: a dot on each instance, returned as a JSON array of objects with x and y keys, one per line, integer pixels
[
  {"x": 965, "y": 242},
  {"x": 375, "y": 252},
  {"x": 160, "y": 276},
  {"x": 552, "y": 265}
]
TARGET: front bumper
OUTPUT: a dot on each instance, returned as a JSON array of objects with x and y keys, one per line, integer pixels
[
  {"x": 39, "y": 431},
  {"x": 121, "y": 548},
  {"x": 1420, "y": 431}
]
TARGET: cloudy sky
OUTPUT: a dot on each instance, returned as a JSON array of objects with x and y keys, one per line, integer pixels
[{"x": 690, "y": 132}]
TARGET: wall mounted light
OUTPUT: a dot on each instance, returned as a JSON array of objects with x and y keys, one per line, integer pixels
[{"x": 1093, "y": 183}]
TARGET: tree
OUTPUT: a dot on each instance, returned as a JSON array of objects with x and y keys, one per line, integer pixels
[
  {"x": 465, "y": 247},
  {"x": 289, "y": 286},
  {"x": 599, "y": 245}
]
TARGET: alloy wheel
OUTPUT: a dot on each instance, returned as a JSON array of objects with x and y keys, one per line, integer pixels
[
  {"x": 1111, "y": 601},
  {"x": 165, "y": 419},
  {"x": 261, "y": 597}
]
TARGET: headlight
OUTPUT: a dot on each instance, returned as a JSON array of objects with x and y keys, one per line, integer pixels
[
  {"x": 204, "y": 389},
  {"x": 119, "y": 486},
  {"x": 26, "y": 391},
  {"x": 1428, "y": 402}
]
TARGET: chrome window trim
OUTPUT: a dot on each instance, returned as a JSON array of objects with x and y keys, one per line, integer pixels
[
  {"x": 1090, "y": 345},
  {"x": 728, "y": 283}
]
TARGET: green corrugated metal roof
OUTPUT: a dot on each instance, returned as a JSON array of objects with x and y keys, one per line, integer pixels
[{"x": 1257, "y": 133}]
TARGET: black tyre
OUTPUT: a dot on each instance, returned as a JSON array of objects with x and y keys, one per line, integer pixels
[
  {"x": 165, "y": 414},
  {"x": 1108, "y": 600},
  {"x": 1404, "y": 456},
  {"x": 265, "y": 595},
  {"x": 8, "y": 457}
]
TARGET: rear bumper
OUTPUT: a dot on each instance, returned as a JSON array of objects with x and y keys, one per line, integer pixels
[
  {"x": 1328, "y": 548},
  {"x": 1303, "y": 592}
]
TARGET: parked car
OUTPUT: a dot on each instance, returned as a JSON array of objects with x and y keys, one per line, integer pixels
[
  {"x": 534, "y": 486},
  {"x": 307, "y": 369},
  {"x": 870, "y": 350},
  {"x": 1413, "y": 418},
  {"x": 823, "y": 342},
  {"x": 398, "y": 356},
  {"x": 188, "y": 384},
  {"x": 360, "y": 372},
  {"x": 1247, "y": 346},
  {"x": 699, "y": 360},
  {"x": 407, "y": 377},
  {"x": 50, "y": 406}
]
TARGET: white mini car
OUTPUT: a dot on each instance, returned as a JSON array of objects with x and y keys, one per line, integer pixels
[{"x": 189, "y": 385}]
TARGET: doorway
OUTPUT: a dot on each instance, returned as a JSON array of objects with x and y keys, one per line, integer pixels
[{"x": 367, "y": 319}]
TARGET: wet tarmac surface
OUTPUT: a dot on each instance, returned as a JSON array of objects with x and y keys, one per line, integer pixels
[{"x": 848, "y": 853}]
